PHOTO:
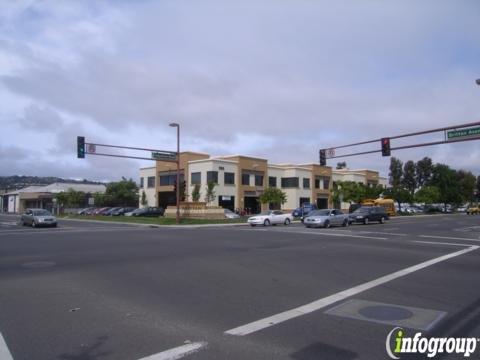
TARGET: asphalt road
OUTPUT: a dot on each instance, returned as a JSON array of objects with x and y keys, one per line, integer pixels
[{"x": 87, "y": 291}]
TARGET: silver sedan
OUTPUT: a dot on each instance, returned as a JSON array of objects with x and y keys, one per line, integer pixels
[
  {"x": 326, "y": 218},
  {"x": 38, "y": 217}
]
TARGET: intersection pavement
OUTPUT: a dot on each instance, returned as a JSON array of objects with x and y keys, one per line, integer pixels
[{"x": 112, "y": 291}]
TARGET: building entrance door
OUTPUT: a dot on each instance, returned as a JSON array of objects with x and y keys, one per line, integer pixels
[
  {"x": 322, "y": 203},
  {"x": 251, "y": 204}
]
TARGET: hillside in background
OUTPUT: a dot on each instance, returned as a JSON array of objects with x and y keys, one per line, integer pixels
[{"x": 18, "y": 182}]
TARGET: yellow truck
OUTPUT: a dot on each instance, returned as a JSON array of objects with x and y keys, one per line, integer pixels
[
  {"x": 473, "y": 210},
  {"x": 387, "y": 204}
]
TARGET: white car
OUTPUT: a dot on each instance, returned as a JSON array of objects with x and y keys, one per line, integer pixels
[{"x": 270, "y": 217}]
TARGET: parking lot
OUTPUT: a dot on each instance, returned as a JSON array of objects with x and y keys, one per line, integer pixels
[{"x": 90, "y": 290}]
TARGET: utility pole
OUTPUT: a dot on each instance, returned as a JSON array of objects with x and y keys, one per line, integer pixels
[{"x": 178, "y": 171}]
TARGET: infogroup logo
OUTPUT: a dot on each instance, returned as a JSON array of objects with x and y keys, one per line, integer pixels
[{"x": 398, "y": 343}]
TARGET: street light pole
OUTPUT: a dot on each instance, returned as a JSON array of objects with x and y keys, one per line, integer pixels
[{"x": 178, "y": 171}]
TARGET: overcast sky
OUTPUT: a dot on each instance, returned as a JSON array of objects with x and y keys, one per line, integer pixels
[{"x": 274, "y": 79}]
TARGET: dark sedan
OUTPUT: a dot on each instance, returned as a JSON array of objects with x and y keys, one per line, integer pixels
[
  {"x": 366, "y": 215},
  {"x": 149, "y": 211}
]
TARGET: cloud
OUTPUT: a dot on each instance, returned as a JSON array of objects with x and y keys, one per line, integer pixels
[{"x": 273, "y": 80}]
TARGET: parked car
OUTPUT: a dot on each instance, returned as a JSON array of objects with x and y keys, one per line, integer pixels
[
  {"x": 270, "y": 217},
  {"x": 83, "y": 211},
  {"x": 91, "y": 211},
  {"x": 102, "y": 211},
  {"x": 229, "y": 214},
  {"x": 304, "y": 210},
  {"x": 109, "y": 211},
  {"x": 148, "y": 211},
  {"x": 122, "y": 211},
  {"x": 38, "y": 217},
  {"x": 99, "y": 211},
  {"x": 367, "y": 214},
  {"x": 326, "y": 218},
  {"x": 413, "y": 210}
]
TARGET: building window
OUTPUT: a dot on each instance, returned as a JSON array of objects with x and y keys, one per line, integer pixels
[
  {"x": 229, "y": 178},
  {"x": 151, "y": 181},
  {"x": 196, "y": 178},
  {"x": 141, "y": 182},
  {"x": 272, "y": 181},
  {"x": 245, "y": 179},
  {"x": 169, "y": 178},
  {"x": 290, "y": 182},
  {"x": 326, "y": 183},
  {"x": 306, "y": 183},
  {"x": 304, "y": 200},
  {"x": 322, "y": 183},
  {"x": 212, "y": 176},
  {"x": 258, "y": 180}
]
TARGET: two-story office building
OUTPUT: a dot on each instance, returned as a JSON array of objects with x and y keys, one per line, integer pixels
[{"x": 240, "y": 181}]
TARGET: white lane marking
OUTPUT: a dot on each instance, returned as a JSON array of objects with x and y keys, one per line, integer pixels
[
  {"x": 67, "y": 231},
  {"x": 9, "y": 223},
  {"x": 4, "y": 352},
  {"x": 329, "y": 300},
  {"x": 466, "y": 229},
  {"x": 447, "y": 237},
  {"x": 382, "y": 233},
  {"x": 439, "y": 243},
  {"x": 178, "y": 352},
  {"x": 324, "y": 233}
]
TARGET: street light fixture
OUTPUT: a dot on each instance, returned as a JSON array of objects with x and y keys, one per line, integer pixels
[
  {"x": 178, "y": 170},
  {"x": 477, "y": 81}
]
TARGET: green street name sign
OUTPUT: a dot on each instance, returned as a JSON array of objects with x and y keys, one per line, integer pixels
[
  {"x": 472, "y": 132},
  {"x": 168, "y": 156}
]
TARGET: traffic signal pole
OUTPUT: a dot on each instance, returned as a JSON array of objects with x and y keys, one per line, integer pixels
[{"x": 453, "y": 127}]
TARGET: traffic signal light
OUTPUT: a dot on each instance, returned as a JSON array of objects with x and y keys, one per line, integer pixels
[
  {"x": 323, "y": 158},
  {"x": 385, "y": 146},
  {"x": 80, "y": 147},
  {"x": 175, "y": 187}
]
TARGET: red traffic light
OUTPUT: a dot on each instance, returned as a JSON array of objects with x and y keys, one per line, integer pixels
[{"x": 385, "y": 146}]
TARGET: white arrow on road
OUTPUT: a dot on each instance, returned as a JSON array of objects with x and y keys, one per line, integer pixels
[{"x": 4, "y": 352}]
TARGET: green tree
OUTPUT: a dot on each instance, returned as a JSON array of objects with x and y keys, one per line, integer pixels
[
  {"x": 373, "y": 191},
  {"x": 399, "y": 194},
  {"x": 183, "y": 190},
  {"x": 423, "y": 171},
  {"x": 100, "y": 199},
  {"x": 75, "y": 198},
  {"x": 62, "y": 199},
  {"x": 466, "y": 184},
  {"x": 478, "y": 187},
  {"x": 428, "y": 195},
  {"x": 341, "y": 165},
  {"x": 445, "y": 179},
  {"x": 196, "y": 193},
  {"x": 210, "y": 192},
  {"x": 396, "y": 172},
  {"x": 143, "y": 199},
  {"x": 274, "y": 197},
  {"x": 70, "y": 198},
  {"x": 121, "y": 193},
  {"x": 409, "y": 180}
]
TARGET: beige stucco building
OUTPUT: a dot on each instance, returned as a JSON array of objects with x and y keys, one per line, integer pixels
[{"x": 240, "y": 181}]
